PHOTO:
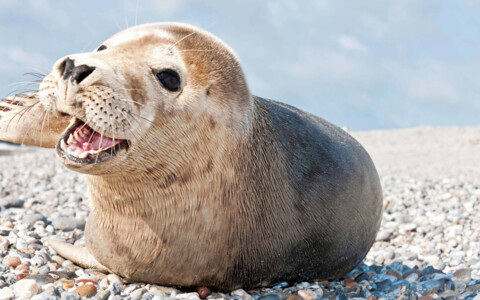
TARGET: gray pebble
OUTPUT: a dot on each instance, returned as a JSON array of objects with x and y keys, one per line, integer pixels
[
  {"x": 47, "y": 295},
  {"x": 33, "y": 218},
  {"x": 11, "y": 202},
  {"x": 68, "y": 224},
  {"x": 137, "y": 294},
  {"x": 70, "y": 296},
  {"x": 115, "y": 288},
  {"x": 273, "y": 296},
  {"x": 102, "y": 295}
]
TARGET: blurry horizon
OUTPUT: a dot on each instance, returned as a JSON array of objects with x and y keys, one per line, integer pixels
[{"x": 366, "y": 65}]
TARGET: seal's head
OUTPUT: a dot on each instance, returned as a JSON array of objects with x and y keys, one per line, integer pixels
[{"x": 144, "y": 95}]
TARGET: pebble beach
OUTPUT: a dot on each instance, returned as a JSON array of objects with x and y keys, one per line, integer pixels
[{"x": 428, "y": 246}]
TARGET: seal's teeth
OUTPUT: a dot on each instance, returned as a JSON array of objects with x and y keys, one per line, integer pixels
[
  {"x": 83, "y": 155},
  {"x": 81, "y": 133},
  {"x": 70, "y": 139},
  {"x": 63, "y": 145},
  {"x": 75, "y": 135}
]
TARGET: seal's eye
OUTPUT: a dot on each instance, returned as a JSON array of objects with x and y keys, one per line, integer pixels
[
  {"x": 169, "y": 79},
  {"x": 102, "y": 47}
]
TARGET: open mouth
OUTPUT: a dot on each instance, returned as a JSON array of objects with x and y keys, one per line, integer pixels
[{"x": 82, "y": 144}]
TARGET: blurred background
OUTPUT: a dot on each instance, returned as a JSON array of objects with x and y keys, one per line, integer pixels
[{"x": 362, "y": 64}]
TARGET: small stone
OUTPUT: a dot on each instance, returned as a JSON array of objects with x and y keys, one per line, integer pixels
[
  {"x": 137, "y": 294},
  {"x": 132, "y": 287},
  {"x": 6, "y": 293},
  {"x": 4, "y": 243},
  {"x": 33, "y": 218},
  {"x": 157, "y": 293},
  {"x": 363, "y": 276},
  {"x": 203, "y": 292},
  {"x": 272, "y": 296},
  {"x": 11, "y": 203},
  {"x": 67, "y": 284},
  {"x": 70, "y": 296},
  {"x": 42, "y": 279},
  {"x": 83, "y": 281},
  {"x": 192, "y": 296},
  {"x": 12, "y": 261},
  {"x": 116, "y": 288},
  {"x": 440, "y": 265},
  {"x": 463, "y": 274},
  {"x": 473, "y": 288},
  {"x": 389, "y": 254},
  {"x": 384, "y": 235},
  {"x": 394, "y": 273},
  {"x": 102, "y": 295},
  {"x": 114, "y": 278},
  {"x": 430, "y": 285},
  {"x": 239, "y": 292},
  {"x": 85, "y": 290},
  {"x": 59, "y": 260},
  {"x": 425, "y": 298},
  {"x": 294, "y": 297},
  {"x": 412, "y": 271},
  {"x": 49, "y": 294},
  {"x": 384, "y": 285},
  {"x": 68, "y": 265},
  {"x": 21, "y": 276},
  {"x": 26, "y": 288},
  {"x": 103, "y": 284},
  {"x": 448, "y": 294},
  {"x": 22, "y": 268},
  {"x": 218, "y": 296},
  {"x": 303, "y": 285},
  {"x": 307, "y": 294},
  {"x": 68, "y": 224}
]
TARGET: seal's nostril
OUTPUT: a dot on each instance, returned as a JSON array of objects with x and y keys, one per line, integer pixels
[
  {"x": 81, "y": 72},
  {"x": 66, "y": 68}
]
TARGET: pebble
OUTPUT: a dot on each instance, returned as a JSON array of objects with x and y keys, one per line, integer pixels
[
  {"x": 114, "y": 278},
  {"x": 427, "y": 246},
  {"x": 273, "y": 296},
  {"x": 6, "y": 293},
  {"x": 12, "y": 261},
  {"x": 26, "y": 288},
  {"x": 463, "y": 274},
  {"x": 203, "y": 292},
  {"x": 193, "y": 296},
  {"x": 241, "y": 293},
  {"x": 70, "y": 296},
  {"x": 307, "y": 294},
  {"x": 33, "y": 218},
  {"x": 87, "y": 290},
  {"x": 11, "y": 202},
  {"x": 68, "y": 223}
]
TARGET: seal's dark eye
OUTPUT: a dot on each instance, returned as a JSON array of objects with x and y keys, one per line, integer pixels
[
  {"x": 102, "y": 47},
  {"x": 169, "y": 79}
]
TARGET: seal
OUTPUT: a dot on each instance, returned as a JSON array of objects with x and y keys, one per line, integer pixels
[{"x": 193, "y": 181}]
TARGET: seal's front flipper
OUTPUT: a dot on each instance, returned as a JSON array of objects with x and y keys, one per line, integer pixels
[
  {"x": 77, "y": 254},
  {"x": 24, "y": 120}
]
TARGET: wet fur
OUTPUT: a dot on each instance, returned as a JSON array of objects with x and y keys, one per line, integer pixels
[{"x": 220, "y": 188}]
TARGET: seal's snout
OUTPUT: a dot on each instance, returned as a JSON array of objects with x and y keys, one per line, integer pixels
[{"x": 76, "y": 73}]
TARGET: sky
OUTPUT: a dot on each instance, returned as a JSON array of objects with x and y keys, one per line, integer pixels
[{"x": 362, "y": 64}]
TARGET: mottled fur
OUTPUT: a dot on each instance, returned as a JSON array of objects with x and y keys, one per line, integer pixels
[{"x": 218, "y": 188}]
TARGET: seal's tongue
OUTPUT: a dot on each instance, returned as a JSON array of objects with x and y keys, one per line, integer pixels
[{"x": 84, "y": 141}]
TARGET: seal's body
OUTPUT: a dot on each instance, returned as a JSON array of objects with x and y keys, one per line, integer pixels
[{"x": 193, "y": 181}]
